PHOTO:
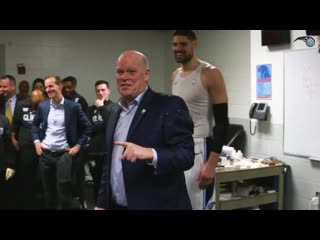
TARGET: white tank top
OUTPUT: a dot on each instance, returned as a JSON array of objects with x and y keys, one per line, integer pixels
[{"x": 196, "y": 97}]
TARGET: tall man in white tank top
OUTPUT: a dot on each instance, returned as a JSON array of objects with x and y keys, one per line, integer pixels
[{"x": 202, "y": 87}]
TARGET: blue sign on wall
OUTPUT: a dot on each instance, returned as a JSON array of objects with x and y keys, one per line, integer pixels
[{"x": 264, "y": 89}]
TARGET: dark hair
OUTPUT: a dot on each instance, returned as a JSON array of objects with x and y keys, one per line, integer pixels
[
  {"x": 99, "y": 82},
  {"x": 187, "y": 33},
  {"x": 71, "y": 79},
  {"x": 11, "y": 78},
  {"x": 36, "y": 81}
]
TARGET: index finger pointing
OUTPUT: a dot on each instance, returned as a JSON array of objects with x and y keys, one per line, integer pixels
[{"x": 123, "y": 144}]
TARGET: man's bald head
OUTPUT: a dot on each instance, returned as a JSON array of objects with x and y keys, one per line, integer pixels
[
  {"x": 140, "y": 57},
  {"x": 132, "y": 74}
]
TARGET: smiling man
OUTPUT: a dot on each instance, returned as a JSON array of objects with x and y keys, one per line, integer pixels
[
  {"x": 202, "y": 87},
  {"x": 149, "y": 144},
  {"x": 59, "y": 130}
]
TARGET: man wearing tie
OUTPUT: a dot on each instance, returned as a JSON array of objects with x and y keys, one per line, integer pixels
[
  {"x": 8, "y": 101},
  {"x": 9, "y": 98},
  {"x": 7, "y": 163}
]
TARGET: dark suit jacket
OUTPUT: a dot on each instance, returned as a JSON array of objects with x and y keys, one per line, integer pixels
[
  {"x": 3, "y": 104},
  {"x": 161, "y": 122},
  {"x": 78, "y": 127},
  {"x": 7, "y": 153}
]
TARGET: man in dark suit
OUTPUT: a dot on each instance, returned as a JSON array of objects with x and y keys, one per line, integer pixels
[
  {"x": 149, "y": 144},
  {"x": 8, "y": 102},
  {"x": 8, "y": 96},
  {"x": 59, "y": 130},
  {"x": 7, "y": 162}
]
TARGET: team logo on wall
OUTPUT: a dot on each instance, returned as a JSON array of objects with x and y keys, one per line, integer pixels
[{"x": 308, "y": 40}]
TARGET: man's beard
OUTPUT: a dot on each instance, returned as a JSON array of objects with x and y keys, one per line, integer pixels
[{"x": 184, "y": 59}]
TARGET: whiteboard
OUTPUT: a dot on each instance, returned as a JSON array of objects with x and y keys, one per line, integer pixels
[{"x": 302, "y": 102}]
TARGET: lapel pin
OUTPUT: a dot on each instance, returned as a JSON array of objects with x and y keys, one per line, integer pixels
[{"x": 143, "y": 111}]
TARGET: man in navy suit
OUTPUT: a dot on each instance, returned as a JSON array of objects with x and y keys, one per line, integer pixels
[
  {"x": 149, "y": 144},
  {"x": 8, "y": 94},
  {"x": 59, "y": 130},
  {"x": 7, "y": 163}
]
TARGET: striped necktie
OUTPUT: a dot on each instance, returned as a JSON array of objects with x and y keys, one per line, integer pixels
[{"x": 9, "y": 111}]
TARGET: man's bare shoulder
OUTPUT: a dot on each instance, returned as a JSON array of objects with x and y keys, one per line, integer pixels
[
  {"x": 174, "y": 74},
  {"x": 179, "y": 69},
  {"x": 209, "y": 69},
  {"x": 211, "y": 75}
]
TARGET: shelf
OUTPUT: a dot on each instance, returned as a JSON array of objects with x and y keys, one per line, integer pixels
[
  {"x": 251, "y": 201},
  {"x": 277, "y": 174},
  {"x": 242, "y": 174}
]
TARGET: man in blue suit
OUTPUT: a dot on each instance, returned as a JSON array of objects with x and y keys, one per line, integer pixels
[
  {"x": 149, "y": 144},
  {"x": 59, "y": 130}
]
